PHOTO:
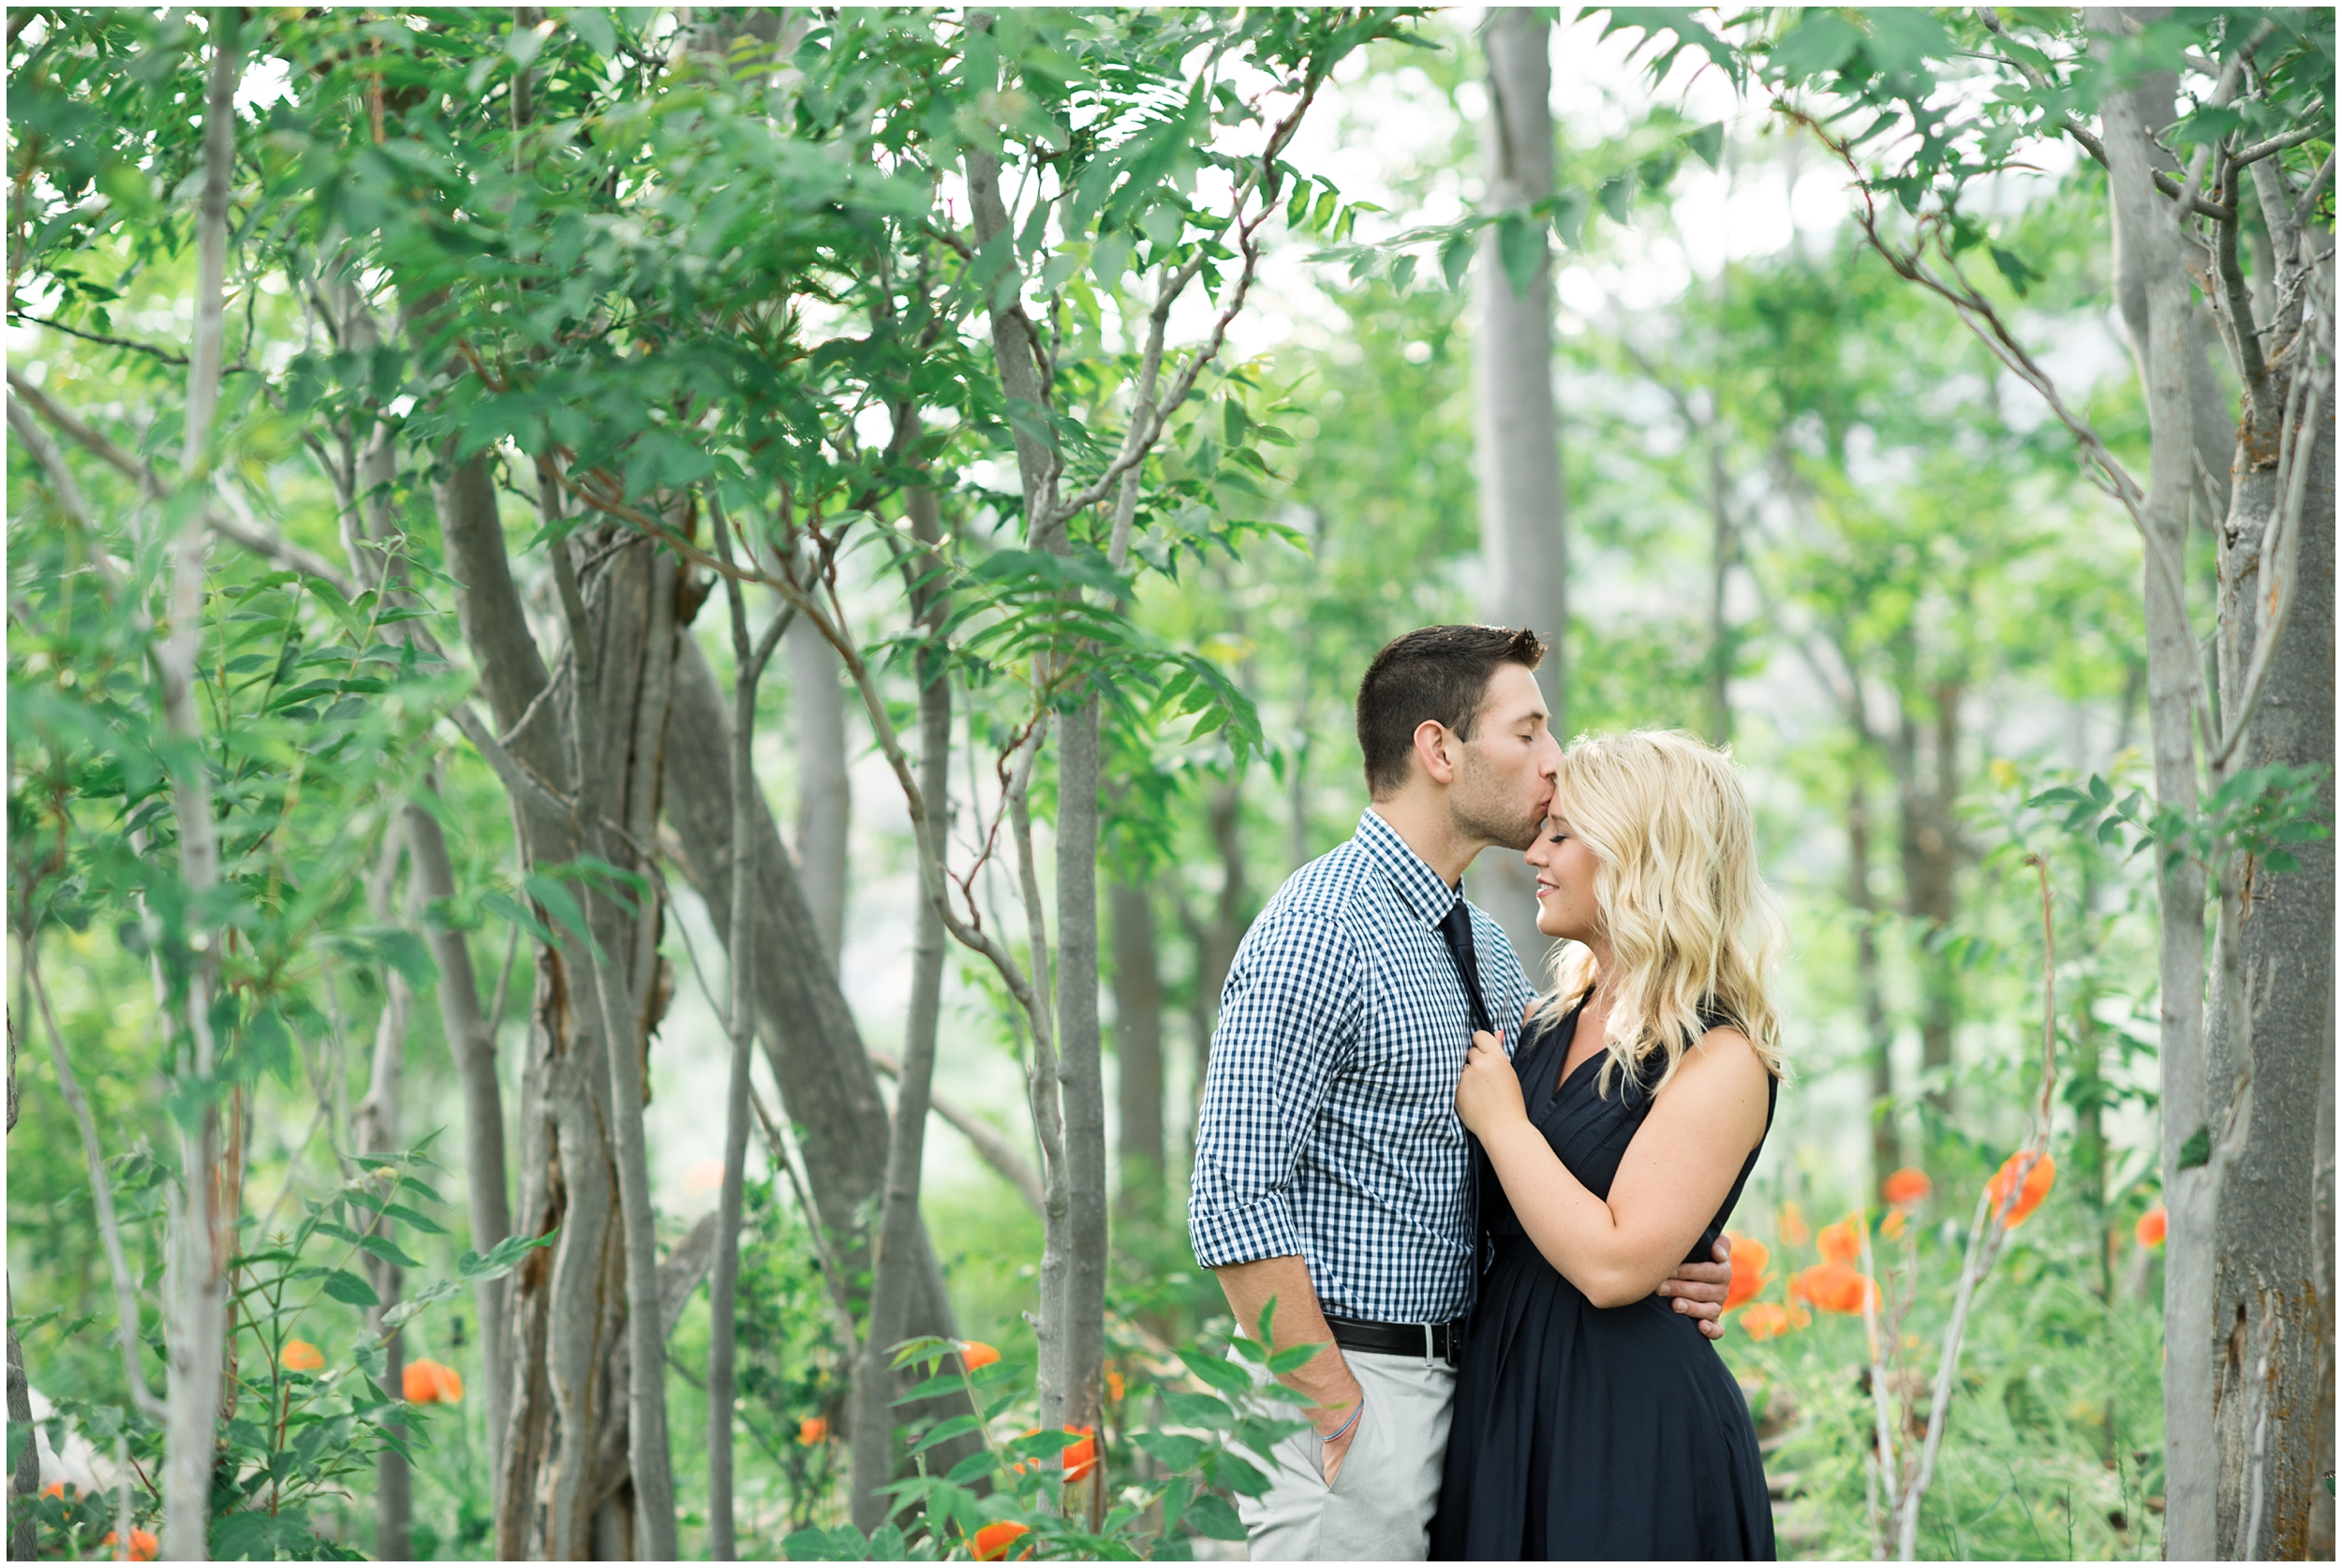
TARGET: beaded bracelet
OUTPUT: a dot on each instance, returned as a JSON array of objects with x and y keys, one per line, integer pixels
[{"x": 1335, "y": 1436}]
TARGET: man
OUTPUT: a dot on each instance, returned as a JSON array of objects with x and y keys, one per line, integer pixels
[{"x": 1331, "y": 1173}]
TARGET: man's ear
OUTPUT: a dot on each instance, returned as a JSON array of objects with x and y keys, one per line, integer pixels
[{"x": 1434, "y": 747}]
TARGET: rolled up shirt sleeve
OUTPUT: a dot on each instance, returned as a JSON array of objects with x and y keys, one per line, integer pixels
[{"x": 1289, "y": 1018}]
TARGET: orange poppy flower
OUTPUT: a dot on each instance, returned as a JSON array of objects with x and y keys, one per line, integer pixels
[
  {"x": 426, "y": 1382},
  {"x": 1767, "y": 1320},
  {"x": 55, "y": 1488},
  {"x": 2152, "y": 1225},
  {"x": 976, "y": 1352},
  {"x": 1749, "y": 1256},
  {"x": 1906, "y": 1187},
  {"x": 142, "y": 1544},
  {"x": 1793, "y": 1229},
  {"x": 1842, "y": 1243},
  {"x": 813, "y": 1431},
  {"x": 1891, "y": 1226},
  {"x": 993, "y": 1541},
  {"x": 1834, "y": 1287},
  {"x": 299, "y": 1356},
  {"x": 1081, "y": 1455},
  {"x": 2038, "y": 1177},
  {"x": 1114, "y": 1387}
]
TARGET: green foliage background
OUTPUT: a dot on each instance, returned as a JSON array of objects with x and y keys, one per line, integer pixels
[{"x": 1899, "y": 509}]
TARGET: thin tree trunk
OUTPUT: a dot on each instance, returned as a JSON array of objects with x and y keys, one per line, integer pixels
[
  {"x": 1927, "y": 777},
  {"x": 1886, "y": 1143},
  {"x": 740, "y": 1022},
  {"x": 1523, "y": 548},
  {"x": 1079, "y": 1072},
  {"x": 609, "y": 714},
  {"x": 811, "y": 1042},
  {"x": 2150, "y": 231},
  {"x": 201, "y": 1234},
  {"x": 825, "y": 804},
  {"x": 1724, "y": 551},
  {"x": 1020, "y": 383},
  {"x": 24, "y": 1475},
  {"x": 2270, "y": 1283},
  {"x": 901, "y": 1236},
  {"x": 566, "y": 1305},
  {"x": 1138, "y": 1048},
  {"x": 378, "y": 1134},
  {"x": 474, "y": 1050}
]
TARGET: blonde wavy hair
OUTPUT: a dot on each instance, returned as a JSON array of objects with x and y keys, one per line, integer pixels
[{"x": 1691, "y": 925}]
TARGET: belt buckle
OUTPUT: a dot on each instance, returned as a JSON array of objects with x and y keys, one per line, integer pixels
[{"x": 1427, "y": 1347}]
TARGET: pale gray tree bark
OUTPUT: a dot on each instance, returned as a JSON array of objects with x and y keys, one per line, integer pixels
[
  {"x": 24, "y": 1475},
  {"x": 829, "y": 1089},
  {"x": 377, "y": 1132},
  {"x": 1138, "y": 1047},
  {"x": 1020, "y": 383},
  {"x": 824, "y": 803},
  {"x": 568, "y": 1482},
  {"x": 1523, "y": 550},
  {"x": 750, "y": 656},
  {"x": 487, "y": 1201},
  {"x": 201, "y": 1232},
  {"x": 2272, "y": 1269},
  {"x": 900, "y": 1235},
  {"x": 1870, "y": 992},
  {"x": 2245, "y": 1067}
]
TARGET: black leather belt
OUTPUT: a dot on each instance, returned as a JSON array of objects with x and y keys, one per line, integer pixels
[{"x": 1441, "y": 1341}]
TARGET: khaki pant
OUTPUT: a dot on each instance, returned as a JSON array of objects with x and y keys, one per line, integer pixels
[{"x": 1379, "y": 1508}]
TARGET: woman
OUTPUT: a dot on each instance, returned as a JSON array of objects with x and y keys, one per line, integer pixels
[{"x": 1591, "y": 1421}]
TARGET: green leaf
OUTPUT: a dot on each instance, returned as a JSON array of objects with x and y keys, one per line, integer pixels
[
  {"x": 592, "y": 26},
  {"x": 2020, "y": 278},
  {"x": 1211, "y": 1518},
  {"x": 1519, "y": 247},
  {"x": 2196, "y": 1150},
  {"x": 943, "y": 1431},
  {"x": 1198, "y": 1410},
  {"x": 563, "y": 905},
  {"x": 975, "y": 1467},
  {"x": 388, "y": 1250},
  {"x": 1617, "y": 197},
  {"x": 1820, "y": 42},
  {"x": 1223, "y": 1375},
  {"x": 503, "y": 1256},
  {"x": 1236, "y": 1473},
  {"x": 415, "y": 1306},
  {"x": 1177, "y": 1451},
  {"x": 1232, "y": 419},
  {"x": 1707, "y": 144},
  {"x": 509, "y": 907},
  {"x": 342, "y": 1285},
  {"x": 1294, "y": 1357},
  {"x": 1570, "y": 206},
  {"x": 1455, "y": 259}
]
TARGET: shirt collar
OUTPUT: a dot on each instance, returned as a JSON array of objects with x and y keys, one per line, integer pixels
[{"x": 1420, "y": 888}]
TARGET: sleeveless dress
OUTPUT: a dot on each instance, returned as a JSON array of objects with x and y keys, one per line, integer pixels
[{"x": 1581, "y": 1431}]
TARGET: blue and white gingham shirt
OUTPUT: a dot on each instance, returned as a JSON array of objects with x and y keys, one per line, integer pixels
[{"x": 1328, "y": 1128}]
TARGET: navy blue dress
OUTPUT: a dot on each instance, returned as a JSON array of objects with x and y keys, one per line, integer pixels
[{"x": 1581, "y": 1431}]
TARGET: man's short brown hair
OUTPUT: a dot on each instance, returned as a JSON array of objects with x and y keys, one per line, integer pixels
[{"x": 1435, "y": 671}]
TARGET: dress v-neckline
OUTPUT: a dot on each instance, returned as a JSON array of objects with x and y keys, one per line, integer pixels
[{"x": 1576, "y": 1014}]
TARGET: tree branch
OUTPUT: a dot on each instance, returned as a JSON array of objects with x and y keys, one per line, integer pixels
[
  {"x": 2246, "y": 156},
  {"x": 101, "y": 1194},
  {"x": 517, "y": 776}
]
